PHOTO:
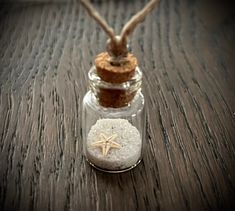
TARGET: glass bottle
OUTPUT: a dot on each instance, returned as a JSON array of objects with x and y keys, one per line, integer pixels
[{"x": 114, "y": 102}]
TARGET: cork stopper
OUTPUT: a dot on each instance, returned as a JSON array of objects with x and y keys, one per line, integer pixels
[{"x": 115, "y": 73}]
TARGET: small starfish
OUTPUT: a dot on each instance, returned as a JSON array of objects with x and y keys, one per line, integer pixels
[{"x": 106, "y": 143}]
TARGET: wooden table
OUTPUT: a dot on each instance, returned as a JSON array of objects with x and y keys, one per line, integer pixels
[{"x": 186, "y": 50}]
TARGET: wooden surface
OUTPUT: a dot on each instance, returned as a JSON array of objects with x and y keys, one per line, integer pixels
[{"x": 186, "y": 50}]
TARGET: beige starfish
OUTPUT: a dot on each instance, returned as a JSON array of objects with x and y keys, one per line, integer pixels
[{"x": 106, "y": 143}]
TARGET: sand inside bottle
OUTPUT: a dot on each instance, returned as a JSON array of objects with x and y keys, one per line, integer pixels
[{"x": 124, "y": 134}]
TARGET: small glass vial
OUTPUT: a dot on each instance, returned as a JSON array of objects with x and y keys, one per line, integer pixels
[{"x": 113, "y": 123}]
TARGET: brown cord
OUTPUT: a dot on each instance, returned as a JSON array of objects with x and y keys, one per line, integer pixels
[
  {"x": 137, "y": 18},
  {"x": 94, "y": 14},
  {"x": 117, "y": 45}
]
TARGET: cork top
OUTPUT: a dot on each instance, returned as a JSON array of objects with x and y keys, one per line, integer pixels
[{"x": 115, "y": 73}]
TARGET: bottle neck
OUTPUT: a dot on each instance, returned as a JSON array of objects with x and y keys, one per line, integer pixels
[{"x": 114, "y": 95}]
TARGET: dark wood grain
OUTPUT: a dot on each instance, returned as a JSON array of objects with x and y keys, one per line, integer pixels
[{"x": 186, "y": 50}]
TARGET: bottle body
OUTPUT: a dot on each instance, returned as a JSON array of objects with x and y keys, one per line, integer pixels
[{"x": 125, "y": 125}]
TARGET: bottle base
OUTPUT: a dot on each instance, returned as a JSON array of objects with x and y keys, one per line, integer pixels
[{"x": 113, "y": 171}]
